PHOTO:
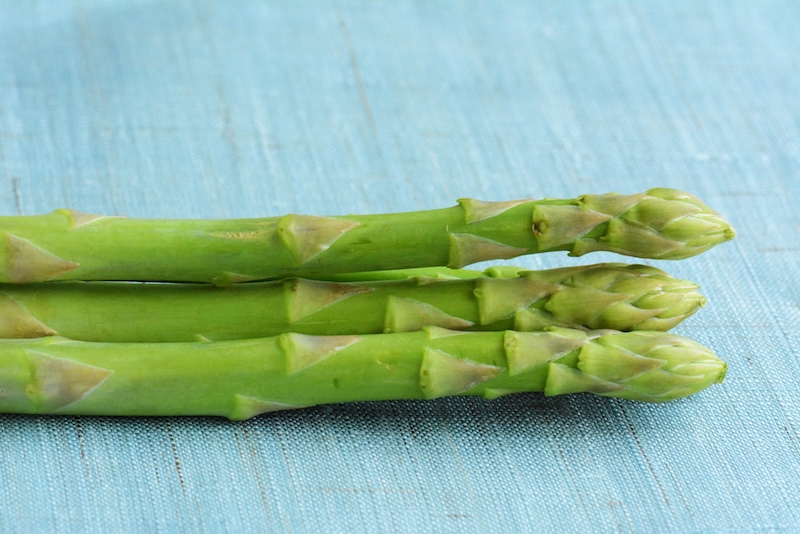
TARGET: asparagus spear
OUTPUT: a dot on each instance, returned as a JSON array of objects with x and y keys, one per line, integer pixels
[
  {"x": 444, "y": 273},
  {"x": 618, "y": 296},
  {"x": 241, "y": 379},
  {"x": 68, "y": 245}
]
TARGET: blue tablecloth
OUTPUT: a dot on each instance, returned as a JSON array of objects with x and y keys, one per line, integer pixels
[{"x": 242, "y": 109}]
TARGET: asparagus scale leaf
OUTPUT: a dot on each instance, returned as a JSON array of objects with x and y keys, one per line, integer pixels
[
  {"x": 612, "y": 295},
  {"x": 58, "y": 376},
  {"x": 69, "y": 245}
]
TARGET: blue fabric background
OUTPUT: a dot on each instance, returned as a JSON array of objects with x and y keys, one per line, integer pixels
[{"x": 242, "y": 109}]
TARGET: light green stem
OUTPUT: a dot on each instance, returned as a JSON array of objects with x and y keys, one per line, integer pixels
[
  {"x": 618, "y": 296},
  {"x": 240, "y": 379},
  {"x": 68, "y": 245}
]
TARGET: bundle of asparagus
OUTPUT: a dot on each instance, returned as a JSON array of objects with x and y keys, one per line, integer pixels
[{"x": 242, "y": 317}]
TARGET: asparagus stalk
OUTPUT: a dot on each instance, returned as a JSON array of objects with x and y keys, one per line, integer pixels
[
  {"x": 444, "y": 273},
  {"x": 68, "y": 245},
  {"x": 617, "y": 296},
  {"x": 241, "y": 379}
]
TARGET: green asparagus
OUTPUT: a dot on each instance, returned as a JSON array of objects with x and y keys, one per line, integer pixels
[
  {"x": 58, "y": 376},
  {"x": 618, "y": 296},
  {"x": 442, "y": 273},
  {"x": 68, "y": 245}
]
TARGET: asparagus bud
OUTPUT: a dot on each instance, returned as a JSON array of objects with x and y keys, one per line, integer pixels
[
  {"x": 615, "y": 296},
  {"x": 662, "y": 223}
]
